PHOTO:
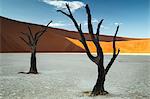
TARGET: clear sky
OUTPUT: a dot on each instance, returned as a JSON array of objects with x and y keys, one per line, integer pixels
[{"x": 133, "y": 16}]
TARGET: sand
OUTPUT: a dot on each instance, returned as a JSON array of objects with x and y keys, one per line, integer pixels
[
  {"x": 55, "y": 40},
  {"x": 131, "y": 46}
]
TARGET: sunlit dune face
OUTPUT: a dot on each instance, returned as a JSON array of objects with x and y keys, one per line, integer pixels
[{"x": 132, "y": 46}]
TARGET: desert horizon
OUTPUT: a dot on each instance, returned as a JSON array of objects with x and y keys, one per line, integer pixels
[{"x": 61, "y": 40}]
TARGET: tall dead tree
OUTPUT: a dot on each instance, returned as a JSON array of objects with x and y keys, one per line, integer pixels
[
  {"x": 99, "y": 59},
  {"x": 32, "y": 41}
]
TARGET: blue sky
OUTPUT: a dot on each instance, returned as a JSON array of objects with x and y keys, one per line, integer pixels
[{"x": 133, "y": 16}]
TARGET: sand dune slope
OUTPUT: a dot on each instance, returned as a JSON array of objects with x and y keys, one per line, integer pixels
[
  {"x": 131, "y": 46},
  {"x": 60, "y": 40}
]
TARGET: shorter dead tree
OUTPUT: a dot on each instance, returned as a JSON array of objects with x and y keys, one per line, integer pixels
[
  {"x": 99, "y": 59},
  {"x": 32, "y": 41}
]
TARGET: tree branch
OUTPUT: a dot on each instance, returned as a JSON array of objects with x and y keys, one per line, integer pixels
[
  {"x": 114, "y": 40},
  {"x": 100, "y": 51},
  {"x": 95, "y": 40},
  {"x": 25, "y": 41},
  {"x": 63, "y": 13},
  {"x": 40, "y": 33},
  {"x": 90, "y": 27},
  {"x": 30, "y": 32},
  {"x": 28, "y": 36},
  {"x": 73, "y": 20},
  {"x": 83, "y": 41},
  {"x": 71, "y": 17},
  {"x": 98, "y": 29},
  {"x": 114, "y": 53}
]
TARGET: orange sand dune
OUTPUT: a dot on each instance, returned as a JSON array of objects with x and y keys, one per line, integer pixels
[
  {"x": 132, "y": 46},
  {"x": 59, "y": 40}
]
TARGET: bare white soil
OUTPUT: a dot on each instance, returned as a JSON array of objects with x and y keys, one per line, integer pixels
[{"x": 67, "y": 76}]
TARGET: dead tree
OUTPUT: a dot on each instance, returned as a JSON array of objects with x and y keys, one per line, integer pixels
[
  {"x": 99, "y": 59},
  {"x": 32, "y": 41}
]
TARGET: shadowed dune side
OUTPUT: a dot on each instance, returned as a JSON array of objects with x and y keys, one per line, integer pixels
[
  {"x": 50, "y": 42},
  {"x": 131, "y": 46}
]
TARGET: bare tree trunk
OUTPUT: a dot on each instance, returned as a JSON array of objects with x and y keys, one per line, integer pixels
[
  {"x": 99, "y": 86},
  {"x": 33, "y": 68}
]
